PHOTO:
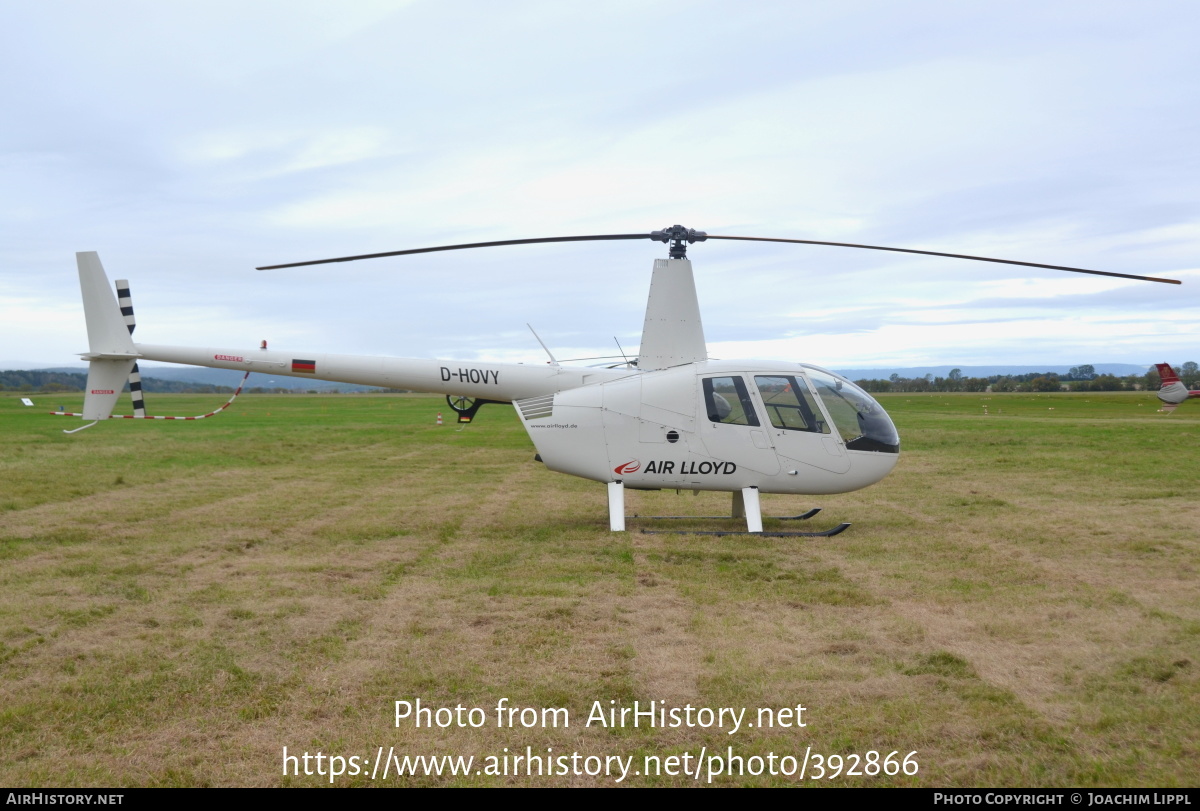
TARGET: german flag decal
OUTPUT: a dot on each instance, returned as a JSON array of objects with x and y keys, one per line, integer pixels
[{"x": 308, "y": 367}]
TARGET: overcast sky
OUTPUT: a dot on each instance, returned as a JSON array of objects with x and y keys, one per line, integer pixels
[{"x": 190, "y": 142}]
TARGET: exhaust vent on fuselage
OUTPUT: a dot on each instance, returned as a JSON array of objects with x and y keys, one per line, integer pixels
[{"x": 536, "y": 408}]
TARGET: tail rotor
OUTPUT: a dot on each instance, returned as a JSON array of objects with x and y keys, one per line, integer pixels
[{"x": 125, "y": 302}]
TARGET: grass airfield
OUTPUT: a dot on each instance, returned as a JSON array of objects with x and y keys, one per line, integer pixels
[{"x": 1017, "y": 603}]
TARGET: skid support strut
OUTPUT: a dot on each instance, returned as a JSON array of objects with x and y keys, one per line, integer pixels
[
  {"x": 751, "y": 508},
  {"x": 616, "y": 506}
]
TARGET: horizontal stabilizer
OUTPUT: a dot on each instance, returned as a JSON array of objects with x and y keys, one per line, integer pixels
[{"x": 110, "y": 356}]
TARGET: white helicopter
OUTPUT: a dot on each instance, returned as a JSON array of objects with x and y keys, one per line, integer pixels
[{"x": 671, "y": 419}]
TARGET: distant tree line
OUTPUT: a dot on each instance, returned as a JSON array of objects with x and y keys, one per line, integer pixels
[
  {"x": 1079, "y": 378},
  {"x": 52, "y": 382}
]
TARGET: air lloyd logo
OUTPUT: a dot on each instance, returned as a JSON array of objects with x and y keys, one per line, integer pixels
[
  {"x": 685, "y": 468},
  {"x": 103, "y": 391},
  {"x": 234, "y": 358}
]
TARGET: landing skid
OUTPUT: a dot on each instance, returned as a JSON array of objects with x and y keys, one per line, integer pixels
[
  {"x": 829, "y": 533},
  {"x": 801, "y": 517},
  {"x": 745, "y": 505}
]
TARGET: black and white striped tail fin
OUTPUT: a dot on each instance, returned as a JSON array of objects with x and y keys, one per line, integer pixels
[{"x": 125, "y": 302}]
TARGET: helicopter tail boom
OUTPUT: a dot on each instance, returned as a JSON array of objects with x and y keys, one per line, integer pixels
[{"x": 113, "y": 355}]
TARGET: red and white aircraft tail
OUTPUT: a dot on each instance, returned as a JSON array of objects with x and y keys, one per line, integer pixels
[{"x": 1172, "y": 392}]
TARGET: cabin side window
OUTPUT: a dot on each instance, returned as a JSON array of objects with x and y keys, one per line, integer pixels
[
  {"x": 726, "y": 400},
  {"x": 789, "y": 404}
]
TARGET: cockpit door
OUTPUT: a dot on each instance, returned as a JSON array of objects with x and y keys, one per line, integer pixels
[
  {"x": 729, "y": 425},
  {"x": 798, "y": 426}
]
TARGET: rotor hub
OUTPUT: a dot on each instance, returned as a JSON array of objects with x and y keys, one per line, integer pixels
[{"x": 677, "y": 235}]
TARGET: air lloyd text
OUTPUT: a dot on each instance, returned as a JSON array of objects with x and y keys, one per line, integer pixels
[{"x": 690, "y": 468}]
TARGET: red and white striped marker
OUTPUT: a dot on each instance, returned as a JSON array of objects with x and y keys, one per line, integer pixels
[
  {"x": 439, "y": 422},
  {"x": 154, "y": 417}
]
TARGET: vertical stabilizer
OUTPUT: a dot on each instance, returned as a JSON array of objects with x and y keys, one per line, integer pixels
[
  {"x": 673, "y": 333},
  {"x": 1166, "y": 373},
  {"x": 107, "y": 333},
  {"x": 111, "y": 353}
]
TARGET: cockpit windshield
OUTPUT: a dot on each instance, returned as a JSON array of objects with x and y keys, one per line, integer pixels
[{"x": 861, "y": 421}]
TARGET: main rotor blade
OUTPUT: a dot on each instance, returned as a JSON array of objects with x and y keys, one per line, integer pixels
[
  {"x": 953, "y": 256},
  {"x": 458, "y": 247},
  {"x": 679, "y": 233}
]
